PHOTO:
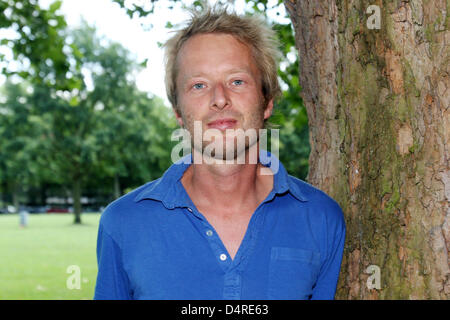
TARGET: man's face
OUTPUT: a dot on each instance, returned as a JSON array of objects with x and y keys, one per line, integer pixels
[{"x": 219, "y": 84}]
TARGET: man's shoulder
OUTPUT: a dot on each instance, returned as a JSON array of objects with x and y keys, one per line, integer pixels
[
  {"x": 114, "y": 212},
  {"x": 316, "y": 199}
]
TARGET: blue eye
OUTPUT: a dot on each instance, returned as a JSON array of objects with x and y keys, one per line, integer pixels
[
  {"x": 198, "y": 86},
  {"x": 238, "y": 82}
]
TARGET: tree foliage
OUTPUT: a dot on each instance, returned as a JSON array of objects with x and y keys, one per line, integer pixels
[
  {"x": 104, "y": 129},
  {"x": 37, "y": 41},
  {"x": 19, "y": 125}
]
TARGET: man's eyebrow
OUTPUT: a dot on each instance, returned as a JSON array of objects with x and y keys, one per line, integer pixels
[{"x": 202, "y": 74}]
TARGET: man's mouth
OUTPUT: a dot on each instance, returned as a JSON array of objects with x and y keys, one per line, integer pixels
[{"x": 222, "y": 124}]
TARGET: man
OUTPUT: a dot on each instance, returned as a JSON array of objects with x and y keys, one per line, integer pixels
[{"x": 214, "y": 229}]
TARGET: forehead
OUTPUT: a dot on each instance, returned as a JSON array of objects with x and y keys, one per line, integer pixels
[{"x": 214, "y": 52}]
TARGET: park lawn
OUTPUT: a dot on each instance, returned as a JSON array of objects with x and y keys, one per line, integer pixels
[{"x": 34, "y": 260}]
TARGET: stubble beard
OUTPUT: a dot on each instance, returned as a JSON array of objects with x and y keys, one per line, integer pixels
[{"x": 236, "y": 146}]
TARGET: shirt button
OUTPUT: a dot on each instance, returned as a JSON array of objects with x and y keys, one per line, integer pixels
[
  {"x": 209, "y": 233},
  {"x": 223, "y": 257},
  {"x": 189, "y": 209}
]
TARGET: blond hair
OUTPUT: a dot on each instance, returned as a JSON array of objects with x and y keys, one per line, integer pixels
[{"x": 250, "y": 30}]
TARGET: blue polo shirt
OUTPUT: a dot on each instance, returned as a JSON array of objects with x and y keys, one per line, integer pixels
[{"x": 154, "y": 244}]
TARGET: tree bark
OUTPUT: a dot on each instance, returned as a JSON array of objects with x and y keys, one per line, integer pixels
[{"x": 378, "y": 107}]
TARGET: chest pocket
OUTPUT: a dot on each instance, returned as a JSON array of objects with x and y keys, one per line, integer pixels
[{"x": 292, "y": 273}]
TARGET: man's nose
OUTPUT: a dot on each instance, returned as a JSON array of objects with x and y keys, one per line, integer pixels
[{"x": 220, "y": 97}]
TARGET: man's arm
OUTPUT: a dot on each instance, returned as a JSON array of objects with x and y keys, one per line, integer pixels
[
  {"x": 112, "y": 280},
  {"x": 325, "y": 287}
]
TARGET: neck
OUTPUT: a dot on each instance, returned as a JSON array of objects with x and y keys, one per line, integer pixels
[{"x": 227, "y": 186}]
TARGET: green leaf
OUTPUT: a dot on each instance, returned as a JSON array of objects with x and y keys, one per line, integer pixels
[
  {"x": 74, "y": 101},
  {"x": 55, "y": 6}
]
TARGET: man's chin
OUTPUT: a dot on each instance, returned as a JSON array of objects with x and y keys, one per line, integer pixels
[{"x": 231, "y": 156}]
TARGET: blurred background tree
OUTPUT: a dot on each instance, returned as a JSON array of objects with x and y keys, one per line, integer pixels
[
  {"x": 19, "y": 125},
  {"x": 38, "y": 42}
]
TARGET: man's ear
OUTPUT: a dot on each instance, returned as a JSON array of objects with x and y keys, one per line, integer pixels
[
  {"x": 178, "y": 117},
  {"x": 269, "y": 109}
]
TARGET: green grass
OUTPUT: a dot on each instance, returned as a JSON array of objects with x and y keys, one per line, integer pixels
[{"x": 34, "y": 260}]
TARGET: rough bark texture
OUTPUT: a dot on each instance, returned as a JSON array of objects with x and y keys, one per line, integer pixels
[{"x": 378, "y": 107}]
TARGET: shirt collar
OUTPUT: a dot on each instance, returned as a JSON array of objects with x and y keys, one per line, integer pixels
[{"x": 169, "y": 190}]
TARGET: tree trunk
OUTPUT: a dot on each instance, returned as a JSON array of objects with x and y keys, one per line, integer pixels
[
  {"x": 43, "y": 194},
  {"x": 5, "y": 189},
  {"x": 117, "y": 192},
  {"x": 76, "y": 195},
  {"x": 15, "y": 195},
  {"x": 378, "y": 106}
]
